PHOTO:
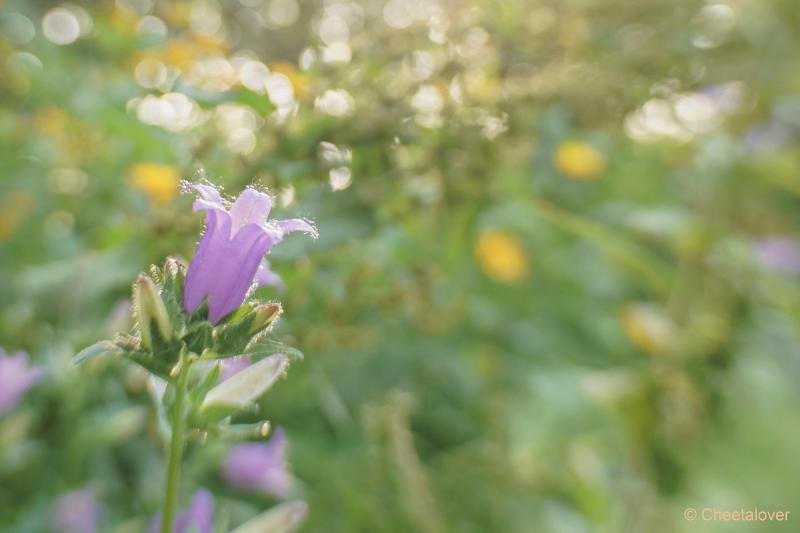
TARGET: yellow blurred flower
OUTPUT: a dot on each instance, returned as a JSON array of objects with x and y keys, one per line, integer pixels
[
  {"x": 502, "y": 257},
  {"x": 177, "y": 13},
  {"x": 159, "y": 182},
  {"x": 182, "y": 53},
  {"x": 123, "y": 21},
  {"x": 179, "y": 54},
  {"x": 13, "y": 210},
  {"x": 647, "y": 327},
  {"x": 50, "y": 121},
  {"x": 579, "y": 160}
]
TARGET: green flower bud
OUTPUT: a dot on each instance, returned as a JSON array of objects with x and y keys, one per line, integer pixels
[
  {"x": 265, "y": 314},
  {"x": 149, "y": 307}
]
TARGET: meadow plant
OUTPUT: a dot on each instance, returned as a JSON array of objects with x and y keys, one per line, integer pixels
[{"x": 206, "y": 344}]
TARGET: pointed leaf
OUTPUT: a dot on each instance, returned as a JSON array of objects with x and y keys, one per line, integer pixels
[
  {"x": 248, "y": 385},
  {"x": 264, "y": 347},
  {"x": 156, "y": 366},
  {"x": 98, "y": 348}
]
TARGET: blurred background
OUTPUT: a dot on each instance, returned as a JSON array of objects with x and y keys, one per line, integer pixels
[{"x": 556, "y": 283}]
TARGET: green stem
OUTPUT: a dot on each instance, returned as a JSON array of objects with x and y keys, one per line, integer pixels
[{"x": 176, "y": 446}]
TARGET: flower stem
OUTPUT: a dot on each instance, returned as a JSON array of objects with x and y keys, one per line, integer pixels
[{"x": 176, "y": 446}]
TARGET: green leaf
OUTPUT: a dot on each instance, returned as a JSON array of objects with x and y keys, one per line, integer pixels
[
  {"x": 211, "y": 415},
  {"x": 96, "y": 349},
  {"x": 199, "y": 391},
  {"x": 265, "y": 347},
  {"x": 154, "y": 365},
  {"x": 198, "y": 337},
  {"x": 234, "y": 335},
  {"x": 174, "y": 273},
  {"x": 248, "y": 385}
]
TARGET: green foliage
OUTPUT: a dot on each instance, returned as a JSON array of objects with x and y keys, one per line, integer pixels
[{"x": 538, "y": 301}]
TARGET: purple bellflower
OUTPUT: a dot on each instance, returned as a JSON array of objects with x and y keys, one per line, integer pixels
[
  {"x": 236, "y": 238},
  {"x": 259, "y": 466},
  {"x": 197, "y": 518},
  {"x": 265, "y": 277},
  {"x": 77, "y": 512},
  {"x": 15, "y": 378},
  {"x": 779, "y": 254},
  {"x": 767, "y": 137}
]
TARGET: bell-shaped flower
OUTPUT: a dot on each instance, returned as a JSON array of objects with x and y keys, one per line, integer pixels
[
  {"x": 236, "y": 238},
  {"x": 259, "y": 466},
  {"x": 15, "y": 378},
  {"x": 777, "y": 254},
  {"x": 77, "y": 512},
  {"x": 265, "y": 277}
]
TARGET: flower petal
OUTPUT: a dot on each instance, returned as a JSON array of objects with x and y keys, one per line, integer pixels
[
  {"x": 251, "y": 207},
  {"x": 236, "y": 268},
  {"x": 210, "y": 197},
  {"x": 197, "y": 518},
  {"x": 265, "y": 277},
  {"x": 202, "y": 274},
  {"x": 16, "y": 377},
  {"x": 199, "y": 514},
  {"x": 228, "y": 256},
  {"x": 297, "y": 224},
  {"x": 259, "y": 466}
]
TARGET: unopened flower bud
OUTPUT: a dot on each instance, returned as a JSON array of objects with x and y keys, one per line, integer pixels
[
  {"x": 171, "y": 268},
  {"x": 149, "y": 306},
  {"x": 247, "y": 386},
  {"x": 265, "y": 314}
]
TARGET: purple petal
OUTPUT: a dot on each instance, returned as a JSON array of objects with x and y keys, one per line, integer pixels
[
  {"x": 197, "y": 518},
  {"x": 77, "y": 512},
  {"x": 236, "y": 268},
  {"x": 297, "y": 224},
  {"x": 228, "y": 256},
  {"x": 265, "y": 277},
  {"x": 16, "y": 377},
  {"x": 209, "y": 197},
  {"x": 251, "y": 207},
  {"x": 779, "y": 254},
  {"x": 200, "y": 514},
  {"x": 232, "y": 366},
  {"x": 223, "y": 269},
  {"x": 201, "y": 277},
  {"x": 259, "y": 466},
  {"x": 767, "y": 137}
]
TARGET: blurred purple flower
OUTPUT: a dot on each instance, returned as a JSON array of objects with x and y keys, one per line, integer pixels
[
  {"x": 197, "y": 518},
  {"x": 233, "y": 365},
  {"x": 766, "y": 137},
  {"x": 779, "y": 254},
  {"x": 77, "y": 512},
  {"x": 235, "y": 240},
  {"x": 259, "y": 466},
  {"x": 265, "y": 277},
  {"x": 15, "y": 378}
]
